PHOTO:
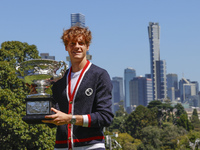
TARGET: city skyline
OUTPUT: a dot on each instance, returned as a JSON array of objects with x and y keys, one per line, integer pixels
[{"x": 120, "y": 38}]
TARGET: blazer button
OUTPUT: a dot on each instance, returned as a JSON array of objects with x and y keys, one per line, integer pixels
[{"x": 69, "y": 138}]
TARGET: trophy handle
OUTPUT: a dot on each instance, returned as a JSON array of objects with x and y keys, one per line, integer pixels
[
  {"x": 62, "y": 71},
  {"x": 63, "y": 64}
]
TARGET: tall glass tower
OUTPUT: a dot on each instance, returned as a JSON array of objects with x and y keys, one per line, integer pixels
[
  {"x": 158, "y": 67},
  {"x": 140, "y": 91},
  {"x": 129, "y": 74},
  {"x": 77, "y": 19},
  {"x": 172, "y": 86},
  {"x": 117, "y": 92}
]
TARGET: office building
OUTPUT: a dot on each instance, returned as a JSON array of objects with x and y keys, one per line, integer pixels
[
  {"x": 189, "y": 92},
  {"x": 117, "y": 92},
  {"x": 158, "y": 67},
  {"x": 197, "y": 86},
  {"x": 46, "y": 56},
  {"x": 163, "y": 80},
  {"x": 141, "y": 92},
  {"x": 77, "y": 19},
  {"x": 129, "y": 74},
  {"x": 172, "y": 86}
]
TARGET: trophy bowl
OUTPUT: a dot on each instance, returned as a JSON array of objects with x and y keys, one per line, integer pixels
[{"x": 39, "y": 74}]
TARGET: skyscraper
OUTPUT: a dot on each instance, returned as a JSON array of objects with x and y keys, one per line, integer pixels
[
  {"x": 129, "y": 74},
  {"x": 163, "y": 79},
  {"x": 158, "y": 67},
  {"x": 187, "y": 89},
  {"x": 117, "y": 92},
  {"x": 78, "y": 19},
  {"x": 172, "y": 86},
  {"x": 121, "y": 91},
  {"x": 140, "y": 91}
]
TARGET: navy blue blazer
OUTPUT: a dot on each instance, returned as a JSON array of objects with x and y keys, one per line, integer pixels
[{"x": 96, "y": 105}]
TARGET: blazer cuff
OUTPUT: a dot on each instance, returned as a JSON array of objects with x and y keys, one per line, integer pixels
[{"x": 86, "y": 120}]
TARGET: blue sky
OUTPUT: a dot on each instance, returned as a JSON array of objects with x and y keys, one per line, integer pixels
[{"x": 119, "y": 27}]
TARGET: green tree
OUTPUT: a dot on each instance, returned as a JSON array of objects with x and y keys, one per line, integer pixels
[
  {"x": 167, "y": 137},
  {"x": 118, "y": 123},
  {"x": 139, "y": 119},
  {"x": 18, "y": 51},
  {"x": 167, "y": 111},
  {"x": 170, "y": 135},
  {"x": 184, "y": 122},
  {"x": 163, "y": 111},
  {"x": 189, "y": 141},
  {"x": 151, "y": 138},
  {"x": 195, "y": 120},
  {"x": 14, "y": 133},
  {"x": 126, "y": 141},
  {"x": 155, "y": 103},
  {"x": 179, "y": 110}
]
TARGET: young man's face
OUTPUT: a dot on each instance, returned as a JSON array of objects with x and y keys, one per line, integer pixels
[{"x": 77, "y": 49}]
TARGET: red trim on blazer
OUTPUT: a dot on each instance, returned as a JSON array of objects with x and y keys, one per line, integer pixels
[
  {"x": 71, "y": 97},
  {"x": 81, "y": 140},
  {"x": 89, "y": 120}
]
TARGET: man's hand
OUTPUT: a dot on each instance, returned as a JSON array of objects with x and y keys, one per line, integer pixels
[{"x": 59, "y": 118}]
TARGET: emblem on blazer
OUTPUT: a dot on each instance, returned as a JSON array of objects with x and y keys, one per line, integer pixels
[{"x": 89, "y": 91}]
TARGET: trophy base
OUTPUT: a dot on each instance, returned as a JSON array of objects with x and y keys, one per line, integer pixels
[
  {"x": 37, "y": 109},
  {"x": 34, "y": 119}
]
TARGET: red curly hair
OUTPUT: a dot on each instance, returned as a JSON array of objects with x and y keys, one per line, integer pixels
[{"x": 73, "y": 33}]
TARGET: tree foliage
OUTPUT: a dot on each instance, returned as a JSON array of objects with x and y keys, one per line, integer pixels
[
  {"x": 157, "y": 138},
  {"x": 153, "y": 104},
  {"x": 184, "y": 122},
  {"x": 195, "y": 120},
  {"x": 151, "y": 138},
  {"x": 179, "y": 110},
  {"x": 118, "y": 123},
  {"x": 18, "y": 51},
  {"x": 139, "y": 119},
  {"x": 163, "y": 111},
  {"x": 14, "y": 133},
  {"x": 174, "y": 132},
  {"x": 126, "y": 141}
]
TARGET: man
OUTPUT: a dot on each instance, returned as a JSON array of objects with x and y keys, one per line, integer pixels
[{"x": 83, "y": 97}]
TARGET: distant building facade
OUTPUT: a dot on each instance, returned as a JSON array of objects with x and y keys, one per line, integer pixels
[
  {"x": 117, "y": 92},
  {"x": 141, "y": 92},
  {"x": 46, "y": 56},
  {"x": 163, "y": 80},
  {"x": 77, "y": 19},
  {"x": 129, "y": 74},
  {"x": 189, "y": 92},
  {"x": 172, "y": 86}
]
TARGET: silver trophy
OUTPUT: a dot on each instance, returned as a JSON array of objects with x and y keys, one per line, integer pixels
[{"x": 39, "y": 74}]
